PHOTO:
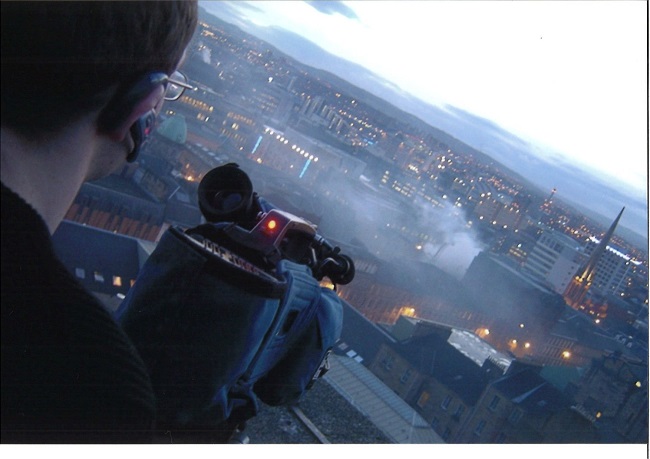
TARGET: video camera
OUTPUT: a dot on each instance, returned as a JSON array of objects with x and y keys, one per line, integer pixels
[
  {"x": 266, "y": 233},
  {"x": 231, "y": 312}
]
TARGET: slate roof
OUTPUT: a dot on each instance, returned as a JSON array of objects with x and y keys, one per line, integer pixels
[
  {"x": 422, "y": 279},
  {"x": 349, "y": 405},
  {"x": 120, "y": 186},
  {"x": 181, "y": 213},
  {"x": 531, "y": 391},
  {"x": 561, "y": 376},
  {"x": 385, "y": 409},
  {"x": 581, "y": 329},
  {"x": 433, "y": 356}
]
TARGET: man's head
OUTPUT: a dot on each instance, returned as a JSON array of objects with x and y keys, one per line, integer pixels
[
  {"x": 64, "y": 60},
  {"x": 81, "y": 84}
]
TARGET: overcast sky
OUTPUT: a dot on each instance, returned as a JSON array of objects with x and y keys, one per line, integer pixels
[{"x": 569, "y": 76}]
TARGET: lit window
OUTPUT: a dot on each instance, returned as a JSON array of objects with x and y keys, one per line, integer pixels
[
  {"x": 80, "y": 273},
  {"x": 117, "y": 281},
  {"x": 99, "y": 277},
  {"x": 424, "y": 398}
]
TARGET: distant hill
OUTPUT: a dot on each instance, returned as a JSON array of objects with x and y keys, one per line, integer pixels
[{"x": 301, "y": 52}]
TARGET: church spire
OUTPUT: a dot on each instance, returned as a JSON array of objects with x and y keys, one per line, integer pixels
[
  {"x": 577, "y": 289},
  {"x": 590, "y": 267}
]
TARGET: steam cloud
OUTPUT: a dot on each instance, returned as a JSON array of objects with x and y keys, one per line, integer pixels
[
  {"x": 390, "y": 229},
  {"x": 454, "y": 245}
]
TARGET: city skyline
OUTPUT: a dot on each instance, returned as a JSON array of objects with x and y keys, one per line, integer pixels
[
  {"x": 486, "y": 128},
  {"x": 384, "y": 187}
]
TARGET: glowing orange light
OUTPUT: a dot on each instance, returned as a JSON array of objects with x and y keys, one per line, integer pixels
[{"x": 271, "y": 225}]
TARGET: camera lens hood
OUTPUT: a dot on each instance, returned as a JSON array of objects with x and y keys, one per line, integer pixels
[{"x": 226, "y": 194}]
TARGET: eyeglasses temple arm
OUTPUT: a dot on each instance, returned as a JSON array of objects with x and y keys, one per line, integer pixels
[{"x": 180, "y": 83}]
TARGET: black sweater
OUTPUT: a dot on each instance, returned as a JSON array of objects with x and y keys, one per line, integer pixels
[{"x": 69, "y": 373}]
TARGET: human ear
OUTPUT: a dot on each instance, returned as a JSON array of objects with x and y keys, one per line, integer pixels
[
  {"x": 127, "y": 106},
  {"x": 122, "y": 127}
]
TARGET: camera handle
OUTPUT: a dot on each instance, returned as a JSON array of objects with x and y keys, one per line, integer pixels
[{"x": 333, "y": 264}]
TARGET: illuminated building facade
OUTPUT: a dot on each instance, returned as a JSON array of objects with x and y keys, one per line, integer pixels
[
  {"x": 555, "y": 259},
  {"x": 613, "y": 270},
  {"x": 303, "y": 157},
  {"x": 498, "y": 210}
]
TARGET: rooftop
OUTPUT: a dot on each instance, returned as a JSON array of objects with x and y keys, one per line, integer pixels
[{"x": 348, "y": 405}]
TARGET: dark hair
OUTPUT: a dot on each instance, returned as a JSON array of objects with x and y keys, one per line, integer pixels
[{"x": 62, "y": 59}]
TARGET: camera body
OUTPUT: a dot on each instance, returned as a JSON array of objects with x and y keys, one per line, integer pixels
[{"x": 226, "y": 195}]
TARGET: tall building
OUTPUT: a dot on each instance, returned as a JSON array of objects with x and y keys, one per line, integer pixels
[
  {"x": 613, "y": 270},
  {"x": 576, "y": 292},
  {"x": 311, "y": 105},
  {"x": 554, "y": 260}
]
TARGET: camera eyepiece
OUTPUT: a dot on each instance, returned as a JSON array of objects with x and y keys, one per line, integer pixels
[{"x": 226, "y": 194}]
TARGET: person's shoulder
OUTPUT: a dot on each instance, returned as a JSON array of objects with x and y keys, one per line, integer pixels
[{"x": 17, "y": 213}]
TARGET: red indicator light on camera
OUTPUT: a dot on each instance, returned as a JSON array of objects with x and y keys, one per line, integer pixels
[{"x": 271, "y": 225}]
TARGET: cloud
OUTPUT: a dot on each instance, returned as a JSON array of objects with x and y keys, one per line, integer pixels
[
  {"x": 236, "y": 13},
  {"x": 328, "y": 7}
]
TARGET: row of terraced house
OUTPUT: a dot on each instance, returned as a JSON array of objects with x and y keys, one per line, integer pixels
[{"x": 497, "y": 401}]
